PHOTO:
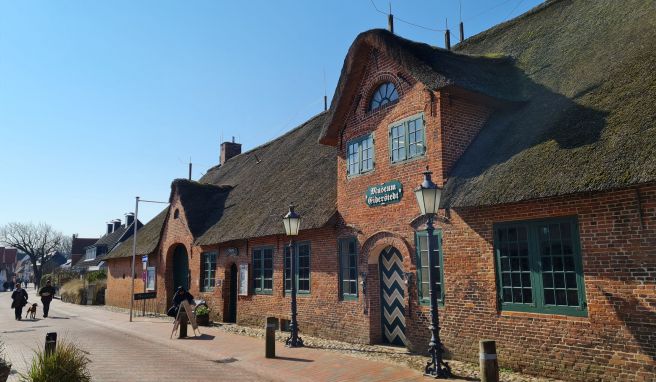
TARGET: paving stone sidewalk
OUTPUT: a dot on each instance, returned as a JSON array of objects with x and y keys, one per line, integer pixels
[{"x": 142, "y": 350}]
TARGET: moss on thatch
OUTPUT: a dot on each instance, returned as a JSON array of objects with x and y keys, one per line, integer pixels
[
  {"x": 588, "y": 69},
  {"x": 258, "y": 186}
]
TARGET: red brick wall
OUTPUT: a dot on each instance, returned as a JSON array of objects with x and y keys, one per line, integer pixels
[{"x": 617, "y": 340}]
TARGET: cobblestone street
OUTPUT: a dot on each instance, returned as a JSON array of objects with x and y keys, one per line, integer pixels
[{"x": 142, "y": 350}]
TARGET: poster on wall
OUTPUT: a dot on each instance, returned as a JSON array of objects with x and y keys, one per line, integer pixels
[
  {"x": 150, "y": 278},
  {"x": 243, "y": 279}
]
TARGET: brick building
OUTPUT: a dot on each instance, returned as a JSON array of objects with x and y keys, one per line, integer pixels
[{"x": 541, "y": 132}]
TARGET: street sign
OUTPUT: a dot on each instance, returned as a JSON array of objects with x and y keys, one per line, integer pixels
[
  {"x": 145, "y": 296},
  {"x": 144, "y": 258}
]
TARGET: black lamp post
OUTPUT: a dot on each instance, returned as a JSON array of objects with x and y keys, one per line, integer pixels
[
  {"x": 428, "y": 196},
  {"x": 292, "y": 222}
]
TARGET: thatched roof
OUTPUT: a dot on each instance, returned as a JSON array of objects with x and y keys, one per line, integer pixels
[
  {"x": 492, "y": 78},
  {"x": 147, "y": 239},
  {"x": 589, "y": 70},
  {"x": 580, "y": 79},
  {"x": 247, "y": 196},
  {"x": 257, "y": 187}
]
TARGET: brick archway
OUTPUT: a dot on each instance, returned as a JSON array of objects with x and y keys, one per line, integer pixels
[
  {"x": 370, "y": 254},
  {"x": 169, "y": 283}
]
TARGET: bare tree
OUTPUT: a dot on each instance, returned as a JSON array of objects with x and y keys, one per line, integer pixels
[{"x": 40, "y": 242}]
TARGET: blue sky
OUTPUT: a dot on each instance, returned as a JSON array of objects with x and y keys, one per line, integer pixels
[{"x": 104, "y": 101}]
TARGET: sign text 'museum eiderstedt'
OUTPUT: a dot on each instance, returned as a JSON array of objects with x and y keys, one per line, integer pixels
[{"x": 382, "y": 194}]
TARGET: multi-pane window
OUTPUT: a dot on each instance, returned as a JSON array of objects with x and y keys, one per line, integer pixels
[
  {"x": 348, "y": 268},
  {"x": 539, "y": 267},
  {"x": 384, "y": 94},
  {"x": 208, "y": 271},
  {"x": 263, "y": 270},
  {"x": 360, "y": 155},
  {"x": 302, "y": 252},
  {"x": 407, "y": 138},
  {"x": 423, "y": 265}
]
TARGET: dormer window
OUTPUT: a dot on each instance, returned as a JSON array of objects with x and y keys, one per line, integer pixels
[{"x": 386, "y": 93}]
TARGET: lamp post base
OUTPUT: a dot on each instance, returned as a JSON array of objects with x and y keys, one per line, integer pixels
[
  {"x": 292, "y": 342},
  {"x": 439, "y": 369}
]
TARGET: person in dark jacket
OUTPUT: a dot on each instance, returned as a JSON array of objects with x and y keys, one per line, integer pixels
[
  {"x": 180, "y": 295},
  {"x": 47, "y": 293},
  {"x": 19, "y": 300}
]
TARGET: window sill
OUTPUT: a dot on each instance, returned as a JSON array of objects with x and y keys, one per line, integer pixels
[
  {"x": 349, "y": 177},
  {"x": 582, "y": 317},
  {"x": 265, "y": 293},
  {"x": 407, "y": 161}
]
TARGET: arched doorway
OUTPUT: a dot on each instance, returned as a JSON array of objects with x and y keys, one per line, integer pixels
[
  {"x": 392, "y": 296},
  {"x": 180, "y": 267},
  {"x": 232, "y": 298}
]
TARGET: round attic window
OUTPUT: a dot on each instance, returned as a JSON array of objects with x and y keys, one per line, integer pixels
[{"x": 386, "y": 93}]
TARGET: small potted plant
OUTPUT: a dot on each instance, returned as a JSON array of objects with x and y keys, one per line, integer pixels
[
  {"x": 5, "y": 366},
  {"x": 203, "y": 315}
]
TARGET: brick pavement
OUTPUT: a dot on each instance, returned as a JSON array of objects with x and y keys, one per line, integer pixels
[{"x": 142, "y": 351}]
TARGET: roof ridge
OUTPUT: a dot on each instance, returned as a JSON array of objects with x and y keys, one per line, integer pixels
[
  {"x": 265, "y": 144},
  {"x": 501, "y": 27}
]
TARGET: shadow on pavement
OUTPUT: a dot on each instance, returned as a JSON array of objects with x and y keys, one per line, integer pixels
[
  {"x": 202, "y": 337},
  {"x": 294, "y": 359},
  {"x": 59, "y": 318},
  {"x": 225, "y": 360}
]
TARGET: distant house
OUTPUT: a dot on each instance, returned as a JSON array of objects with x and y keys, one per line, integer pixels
[
  {"x": 78, "y": 246},
  {"x": 116, "y": 233},
  {"x": 54, "y": 262},
  {"x": 7, "y": 264}
]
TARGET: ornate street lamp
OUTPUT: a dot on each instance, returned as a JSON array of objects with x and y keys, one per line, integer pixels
[
  {"x": 428, "y": 197},
  {"x": 292, "y": 222}
]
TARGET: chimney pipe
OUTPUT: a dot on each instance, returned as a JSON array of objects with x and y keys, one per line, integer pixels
[
  {"x": 325, "y": 103},
  {"x": 129, "y": 218},
  {"x": 390, "y": 22},
  {"x": 189, "y": 173},
  {"x": 110, "y": 227},
  {"x": 117, "y": 224},
  {"x": 447, "y": 39},
  {"x": 462, "y": 32}
]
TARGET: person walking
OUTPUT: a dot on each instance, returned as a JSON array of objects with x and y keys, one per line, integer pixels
[
  {"x": 47, "y": 293},
  {"x": 19, "y": 300}
]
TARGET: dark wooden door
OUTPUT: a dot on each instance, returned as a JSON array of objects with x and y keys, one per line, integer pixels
[{"x": 232, "y": 310}]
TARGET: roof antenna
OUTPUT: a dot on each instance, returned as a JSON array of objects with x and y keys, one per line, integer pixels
[
  {"x": 189, "y": 168},
  {"x": 462, "y": 27},
  {"x": 447, "y": 36},
  {"x": 390, "y": 19},
  {"x": 325, "y": 97}
]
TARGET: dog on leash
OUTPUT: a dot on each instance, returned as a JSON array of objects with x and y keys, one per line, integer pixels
[{"x": 31, "y": 311}]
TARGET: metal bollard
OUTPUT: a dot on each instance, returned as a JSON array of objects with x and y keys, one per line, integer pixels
[
  {"x": 270, "y": 337},
  {"x": 51, "y": 343},
  {"x": 488, "y": 361},
  {"x": 184, "y": 320}
]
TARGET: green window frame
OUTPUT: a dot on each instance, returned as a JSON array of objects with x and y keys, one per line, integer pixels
[
  {"x": 407, "y": 138},
  {"x": 302, "y": 253},
  {"x": 348, "y": 268},
  {"x": 539, "y": 267},
  {"x": 208, "y": 271},
  {"x": 263, "y": 270},
  {"x": 360, "y": 155},
  {"x": 423, "y": 285}
]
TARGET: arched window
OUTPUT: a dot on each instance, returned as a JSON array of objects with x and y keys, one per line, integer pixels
[
  {"x": 386, "y": 93},
  {"x": 176, "y": 214}
]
